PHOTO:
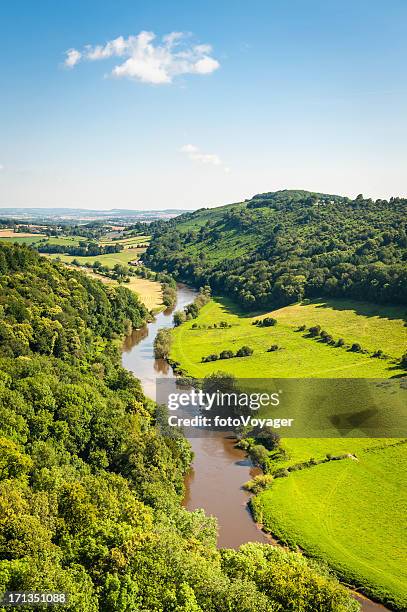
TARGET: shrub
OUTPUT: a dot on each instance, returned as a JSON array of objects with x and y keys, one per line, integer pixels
[
  {"x": 258, "y": 483},
  {"x": 259, "y": 454},
  {"x": 268, "y": 322},
  {"x": 315, "y": 330},
  {"x": 179, "y": 317},
  {"x": 403, "y": 361},
  {"x": 356, "y": 348},
  {"x": 340, "y": 342},
  {"x": 281, "y": 473},
  {"x": 212, "y": 357},
  {"x": 226, "y": 355},
  {"x": 273, "y": 347},
  {"x": 244, "y": 351},
  {"x": 302, "y": 328}
]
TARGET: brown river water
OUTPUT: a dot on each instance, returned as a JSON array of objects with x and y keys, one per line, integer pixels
[{"x": 219, "y": 469}]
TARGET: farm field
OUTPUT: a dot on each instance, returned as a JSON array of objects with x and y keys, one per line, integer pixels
[
  {"x": 134, "y": 240},
  {"x": 20, "y": 237},
  {"x": 333, "y": 512},
  {"x": 149, "y": 292},
  {"x": 110, "y": 260},
  {"x": 299, "y": 356}
]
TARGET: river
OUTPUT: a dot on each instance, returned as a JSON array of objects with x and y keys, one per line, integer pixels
[{"x": 219, "y": 469}]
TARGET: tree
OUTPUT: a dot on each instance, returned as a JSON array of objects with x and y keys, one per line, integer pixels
[
  {"x": 179, "y": 317},
  {"x": 120, "y": 271},
  {"x": 244, "y": 351}
]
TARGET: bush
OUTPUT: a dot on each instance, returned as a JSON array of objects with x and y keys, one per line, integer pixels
[
  {"x": 281, "y": 473},
  {"x": 259, "y": 454},
  {"x": 302, "y": 328},
  {"x": 315, "y": 330},
  {"x": 356, "y": 348},
  {"x": 226, "y": 355},
  {"x": 179, "y": 318},
  {"x": 212, "y": 357},
  {"x": 273, "y": 347},
  {"x": 259, "y": 483},
  {"x": 268, "y": 322},
  {"x": 340, "y": 342},
  {"x": 244, "y": 351}
]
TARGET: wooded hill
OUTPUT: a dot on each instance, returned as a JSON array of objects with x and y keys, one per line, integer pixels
[{"x": 279, "y": 247}]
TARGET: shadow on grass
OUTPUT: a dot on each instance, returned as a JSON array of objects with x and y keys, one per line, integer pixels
[{"x": 367, "y": 309}]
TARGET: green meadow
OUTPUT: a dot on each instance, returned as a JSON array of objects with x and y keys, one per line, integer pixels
[
  {"x": 348, "y": 512},
  {"x": 298, "y": 356},
  {"x": 133, "y": 240}
]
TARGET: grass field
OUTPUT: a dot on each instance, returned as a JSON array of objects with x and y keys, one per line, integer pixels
[
  {"x": 299, "y": 356},
  {"x": 350, "y": 514},
  {"x": 123, "y": 257},
  {"x": 134, "y": 240}
]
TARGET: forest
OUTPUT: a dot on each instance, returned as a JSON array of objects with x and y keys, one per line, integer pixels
[
  {"x": 90, "y": 490},
  {"x": 287, "y": 246}
]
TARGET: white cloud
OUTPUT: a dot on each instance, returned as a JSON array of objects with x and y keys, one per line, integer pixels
[
  {"x": 195, "y": 154},
  {"x": 72, "y": 58},
  {"x": 1, "y": 167},
  {"x": 148, "y": 62}
]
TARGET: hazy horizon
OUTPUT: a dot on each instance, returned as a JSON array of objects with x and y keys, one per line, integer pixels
[{"x": 150, "y": 106}]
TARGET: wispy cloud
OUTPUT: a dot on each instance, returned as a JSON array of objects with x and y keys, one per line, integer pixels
[
  {"x": 195, "y": 154},
  {"x": 1, "y": 167},
  {"x": 147, "y": 61},
  {"x": 72, "y": 58}
]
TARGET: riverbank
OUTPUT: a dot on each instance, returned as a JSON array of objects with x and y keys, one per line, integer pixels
[{"x": 219, "y": 469}]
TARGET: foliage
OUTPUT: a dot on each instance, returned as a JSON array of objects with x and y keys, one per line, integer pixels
[
  {"x": 162, "y": 343},
  {"x": 90, "y": 489},
  {"x": 288, "y": 245}
]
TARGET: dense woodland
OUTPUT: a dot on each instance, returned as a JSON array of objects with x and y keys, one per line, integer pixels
[
  {"x": 278, "y": 248},
  {"x": 90, "y": 489}
]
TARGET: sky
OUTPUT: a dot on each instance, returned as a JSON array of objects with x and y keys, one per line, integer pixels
[{"x": 182, "y": 104}]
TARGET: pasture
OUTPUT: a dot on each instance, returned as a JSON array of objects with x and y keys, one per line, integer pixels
[
  {"x": 298, "y": 356},
  {"x": 350, "y": 513}
]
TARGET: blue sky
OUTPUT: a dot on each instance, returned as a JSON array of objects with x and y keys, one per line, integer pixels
[{"x": 255, "y": 96}]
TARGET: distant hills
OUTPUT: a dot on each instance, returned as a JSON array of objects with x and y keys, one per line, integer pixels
[{"x": 83, "y": 214}]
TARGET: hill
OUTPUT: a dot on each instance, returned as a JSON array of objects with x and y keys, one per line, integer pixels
[{"x": 279, "y": 247}]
